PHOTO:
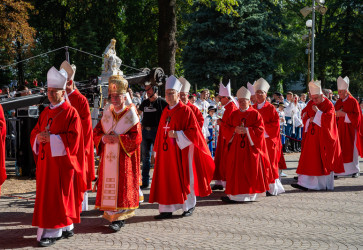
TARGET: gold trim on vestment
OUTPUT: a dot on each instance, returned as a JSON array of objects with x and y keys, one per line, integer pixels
[
  {"x": 123, "y": 147},
  {"x": 118, "y": 208},
  {"x": 119, "y": 216}
]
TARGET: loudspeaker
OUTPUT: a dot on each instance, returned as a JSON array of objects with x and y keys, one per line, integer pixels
[{"x": 24, "y": 156}]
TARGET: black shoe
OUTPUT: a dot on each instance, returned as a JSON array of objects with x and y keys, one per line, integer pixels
[
  {"x": 226, "y": 199},
  {"x": 295, "y": 185},
  {"x": 356, "y": 175},
  {"x": 217, "y": 187},
  {"x": 165, "y": 215},
  {"x": 67, "y": 234},
  {"x": 144, "y": 186},
  {"x": 189, "y": 212},
  {"x": 268, "y": 194},
  {"x": 46, "y": 242},
  {"x": 296, "y": 178},
  {"x": 116, "y": 225}
]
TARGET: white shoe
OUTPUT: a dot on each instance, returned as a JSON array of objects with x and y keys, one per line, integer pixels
[{"x": 282, "y": 174}]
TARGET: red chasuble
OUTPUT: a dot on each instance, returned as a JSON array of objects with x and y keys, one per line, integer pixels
[
  {"x": 80, "y": 103},
  {"x": 360, "y": 138},
  {"x": 197, "y": 113},
  {"x": 248, "y": 165},
  {"x": 128, "y": 172},
  {"x": 348, "y": 131},
  {"x": 271, "y": 121},
  {"x": 60, "y": 186},
  {"x": 2, "y": 147},
  {"x": 321, "y": 152},
  {"x": 222, "y": 145},
  {"x": 171, "y": 179}
]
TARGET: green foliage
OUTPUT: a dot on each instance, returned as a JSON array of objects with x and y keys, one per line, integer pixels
[{"x": 233, "y": 47}]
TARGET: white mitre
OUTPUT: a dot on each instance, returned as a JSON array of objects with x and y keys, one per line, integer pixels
[
  {"x": 225, "y": 91},
  {"x": 251, "y": 88},
  {"x": 261, "y": 84},
  {"x": 70, "y": 69},
  {"x": 343, "y": 83},
  {"x": 56, "y": 79},
  {"x": 128, "y": 100},
  {"x": 173, "y": 83},
  {"x": 186, "y": 85},
  {"x": 243, "y": 93},
  {"x": 315, "y": 88}
]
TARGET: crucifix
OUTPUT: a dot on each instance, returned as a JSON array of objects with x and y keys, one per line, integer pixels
[
  {"x": 165, "y": 144},
  {"x": 166, "y": 125}
]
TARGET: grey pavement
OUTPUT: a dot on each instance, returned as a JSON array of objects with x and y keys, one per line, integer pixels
[{"x": 293, "y": 220}]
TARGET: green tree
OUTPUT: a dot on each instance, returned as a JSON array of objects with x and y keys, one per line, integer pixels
[{"x": 228, "y": 46}]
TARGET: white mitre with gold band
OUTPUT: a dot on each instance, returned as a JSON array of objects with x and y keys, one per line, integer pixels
[{"x": 243, "y": 93}]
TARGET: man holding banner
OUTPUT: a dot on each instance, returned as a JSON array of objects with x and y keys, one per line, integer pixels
[{"x": 117, "y": 137}]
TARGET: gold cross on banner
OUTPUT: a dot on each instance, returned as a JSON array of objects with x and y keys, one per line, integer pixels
[
  {"x": 111, "y": 156},
  {"x": 129, "y": 119}
]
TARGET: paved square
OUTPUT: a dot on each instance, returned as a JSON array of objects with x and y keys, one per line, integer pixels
[{"x": 293, "y": 220}]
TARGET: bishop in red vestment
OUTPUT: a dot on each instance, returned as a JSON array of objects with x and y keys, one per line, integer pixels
[
  {"x": 57, "y": 142},
  {"x": 135, "y": 158},
  {"x": 348, "y": 121},
  {"x": 226, "y": 100},
  {"x": 2, "y": 147},
  {"x": 183, "y": 164},
  {"x": 80, "y": 103},
  {"x": 184, "y": 97},
  {"x": 272, "y": 134},
  {"x": 321, "y": 154},
  {"x": 117, "y": 139},
  {"x": 247, "y": 158}
]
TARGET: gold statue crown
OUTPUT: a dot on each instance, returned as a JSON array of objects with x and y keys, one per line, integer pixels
[
  {"x": 117, "y": 84},
  {"x": 113, "y": 41}
]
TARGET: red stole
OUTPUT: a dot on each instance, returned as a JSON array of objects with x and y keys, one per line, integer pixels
[
  {"x": 60, "y": 183},
  {"x": 2, "y": 147},
  {"x": 80, "y": 103},
  {"x": 222, "y": 145},
  {"x": 321, "y": 152},
  {"x": 171, "y": 181}
]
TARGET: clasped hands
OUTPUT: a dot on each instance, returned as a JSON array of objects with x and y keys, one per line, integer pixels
[
  {"x": 110, "y": 139},
  {"x": 43, "y": 137},
  {"x": 340, "y": 113},
  {"x": 240, "y": 130}
]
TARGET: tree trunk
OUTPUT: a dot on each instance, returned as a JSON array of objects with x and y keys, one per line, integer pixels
[
  {"x": 346, "y": 30},
  {"x": 166, "y": 35}
]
